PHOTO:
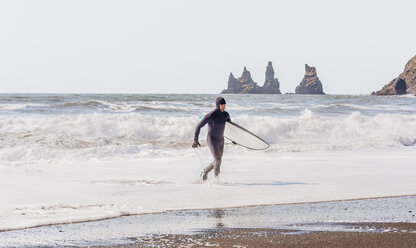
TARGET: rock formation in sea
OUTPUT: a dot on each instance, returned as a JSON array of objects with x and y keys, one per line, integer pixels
[
  {"x": 246, "y": 85},
  {"x": 241, "y": 85},
  {"x": 271, "y": 84},
  {"x": 310, "y": 83},
  {"x": 405, "y": 83}
]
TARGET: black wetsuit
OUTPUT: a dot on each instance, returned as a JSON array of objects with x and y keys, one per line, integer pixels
[{"x": 215, "y": 138}]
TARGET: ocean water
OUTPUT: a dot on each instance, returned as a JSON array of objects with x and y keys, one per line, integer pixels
[
  {"x": 68, "y": 158},
  {"x": 38, "y": 127}
]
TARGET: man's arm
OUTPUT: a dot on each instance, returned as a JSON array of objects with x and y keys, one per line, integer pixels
[
  {"x": 202, "y": 123},
  {"x": 228, "y": 117}
]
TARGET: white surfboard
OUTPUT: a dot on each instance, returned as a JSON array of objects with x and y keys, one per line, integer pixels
[{"x": 243, "y": 137}]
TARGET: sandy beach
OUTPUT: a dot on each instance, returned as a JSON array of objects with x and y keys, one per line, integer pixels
[
  {"x": 389, "y": 235},
  {"x": 377, "y": 222}
]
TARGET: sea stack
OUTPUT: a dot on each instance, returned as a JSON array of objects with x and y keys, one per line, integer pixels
[
  {"x": 405, "y": 83},
  {"x": 241, "y": 85},
  {"x": 271, "y": 84},
  {"x": 246, "y": 85},
  {"x": 310, "y": 83}
]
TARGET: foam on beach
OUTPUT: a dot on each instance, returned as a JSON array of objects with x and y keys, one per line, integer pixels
[{"x": 76, "y": 191}]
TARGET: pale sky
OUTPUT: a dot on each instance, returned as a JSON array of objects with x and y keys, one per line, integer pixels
[{"x": 191, "y": 46}]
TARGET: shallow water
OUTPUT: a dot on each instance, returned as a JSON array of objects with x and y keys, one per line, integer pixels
[{"x": 297, "y": 218}]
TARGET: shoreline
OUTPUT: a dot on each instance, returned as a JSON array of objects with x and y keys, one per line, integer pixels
[
  {"x": 204, "y": 209},
  {"x": 336, "y": 220}
]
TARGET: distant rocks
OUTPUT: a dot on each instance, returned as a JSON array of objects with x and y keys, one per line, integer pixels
[
  {"x": 246, "y": 85},
  {"x": 310, "y": 83},
  {"x": 405, "y": 83},
  {"x": 271, "y": 84},
  {"x": 241, "y": 85}
]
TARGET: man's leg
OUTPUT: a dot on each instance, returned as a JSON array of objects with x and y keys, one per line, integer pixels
[
  {"x": 217, "y": 166},
  {"x": 214, "y": 164},
  {"x": 207, "y": 169},
  {"x": 216, "y": 153},
  {"x": 218, "y": 158}
]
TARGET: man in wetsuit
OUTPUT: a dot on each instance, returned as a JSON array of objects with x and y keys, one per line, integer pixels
[{"x": 216, "y": 124}]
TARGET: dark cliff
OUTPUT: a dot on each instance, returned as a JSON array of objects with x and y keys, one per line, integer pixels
[{"x": 405, "y": 83}]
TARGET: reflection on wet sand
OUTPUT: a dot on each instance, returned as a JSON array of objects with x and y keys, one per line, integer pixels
[{"x": 219, "y": 214}]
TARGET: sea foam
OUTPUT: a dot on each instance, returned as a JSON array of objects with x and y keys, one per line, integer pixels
[{"x": 37, "y": 137}]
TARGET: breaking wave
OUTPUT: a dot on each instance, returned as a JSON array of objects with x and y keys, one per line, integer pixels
[{"x": 100, "y": 135}]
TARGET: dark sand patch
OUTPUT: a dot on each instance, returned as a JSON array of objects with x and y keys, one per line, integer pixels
[{"x": 377, "y": 235}]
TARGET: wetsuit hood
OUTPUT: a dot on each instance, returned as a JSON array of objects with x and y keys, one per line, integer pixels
[{"x": 220, "y": 100}]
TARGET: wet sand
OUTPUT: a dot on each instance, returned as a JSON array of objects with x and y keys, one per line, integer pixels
[
  {"x": 389, "y": 235},
  {"x": 377, "y": 222}
]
